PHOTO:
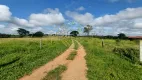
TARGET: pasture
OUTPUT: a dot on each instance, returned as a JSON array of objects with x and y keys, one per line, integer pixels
[{"x": 117, "y": 60}]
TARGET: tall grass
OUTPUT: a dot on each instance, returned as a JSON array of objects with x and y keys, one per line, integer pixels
[
  {"x": 21, "y": 56},
  {"x": 104, "y": 64}
]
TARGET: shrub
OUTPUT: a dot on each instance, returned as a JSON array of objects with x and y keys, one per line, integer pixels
[
  {"x": 130, "y": 54},
  {"x": 38, "y": 34}
]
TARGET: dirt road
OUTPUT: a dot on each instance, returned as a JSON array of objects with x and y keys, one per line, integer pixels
[
  {"x": 76, "y": 70},
  {"x": 39, "y": 73}
]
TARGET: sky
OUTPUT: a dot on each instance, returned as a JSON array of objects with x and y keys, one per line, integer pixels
[{"x": 108, "y": 17}]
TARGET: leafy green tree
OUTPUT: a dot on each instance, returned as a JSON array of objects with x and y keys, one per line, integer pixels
[
  {"x": 74, "y": 33},
  {"x": 23, "y": 32},
  {"x": 38, "y": 34},
  {"x": 87, "y": 29},
  {"x": 121, "y": 36}
]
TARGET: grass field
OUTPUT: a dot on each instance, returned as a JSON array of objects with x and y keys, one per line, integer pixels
[
  {"x": 105, "y": 64},
  {"x": 20, "y": 56},
  {"x": 117, "y": 60}
]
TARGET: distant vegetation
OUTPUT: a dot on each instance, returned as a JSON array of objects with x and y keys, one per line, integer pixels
[
  {"x": 74, "y": 33},
  {"x": 23, "y": 32},
  {"x": 87, "y": 29},
  {"x": 38, "y": 34},
  {"x": 5, "y": 35}
]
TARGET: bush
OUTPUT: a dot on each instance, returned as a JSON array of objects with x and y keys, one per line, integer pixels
[
  {"x": 130, "y": 54},
  {"x": 38, "y": 34}
]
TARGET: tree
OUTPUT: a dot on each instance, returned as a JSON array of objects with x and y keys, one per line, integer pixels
[
  {"x": 74, "y": 33},
  {"x": 87, "y": 29},
  {"x": 121, "y": 36},
  {"x": 22, "y": 32},
  {"x": 38, "y": 34},
  {"x": 5, "y": 35}
]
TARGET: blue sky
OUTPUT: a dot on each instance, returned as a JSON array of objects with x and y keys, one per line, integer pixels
[
  {"x": 74, "y": 11},
  {"x": 23, "y": 8}
]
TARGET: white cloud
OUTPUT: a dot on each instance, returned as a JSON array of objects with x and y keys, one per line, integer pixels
[
  {"x": 83, "y": 19},
  {"x": 88, "y": 18},
  {"x": 5, "y": 14},
  {"x": 46, "y": 19},
  {"x": 33, "y": 30},
  {"x": 125, "y": 21},
  {"x": 2, "y": 26},
  {"x": 50, "y": 17},
  {"x": 51, "y": 32},
  {"x": 21, "y": 22},
  {"x": 128, "y": 21},
  {"x": 80, "y": 8},
  {"x": 129, "y": 13},
  {"x": 49, "y": 10},
  {"x": 53, "y": 17},
  {"x": 138, "y": 25},
  {"x": 9, "y": 29}
]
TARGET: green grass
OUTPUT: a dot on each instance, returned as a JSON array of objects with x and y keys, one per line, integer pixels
[
  {"x": 129, "y": 54},
  {"x": 71, "y": 56},
  {"x": 55, "y": 74},
  {"x": 104, "y": 64},
  {"x": 9, "y": 59},
  {"x": 20, "y": 56},
  {"x": 76, "y": 45}
]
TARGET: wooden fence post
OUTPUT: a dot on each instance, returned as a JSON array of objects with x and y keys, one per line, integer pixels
[{"x": 40, "y": 43}]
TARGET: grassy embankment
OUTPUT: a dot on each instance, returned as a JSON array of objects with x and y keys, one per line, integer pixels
[{"x": 118, "y": 60}]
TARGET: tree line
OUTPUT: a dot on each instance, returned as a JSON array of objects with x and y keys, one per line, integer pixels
[
  {"x": 22, "y": 33},
  {"x": 88, "y": 28}
]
